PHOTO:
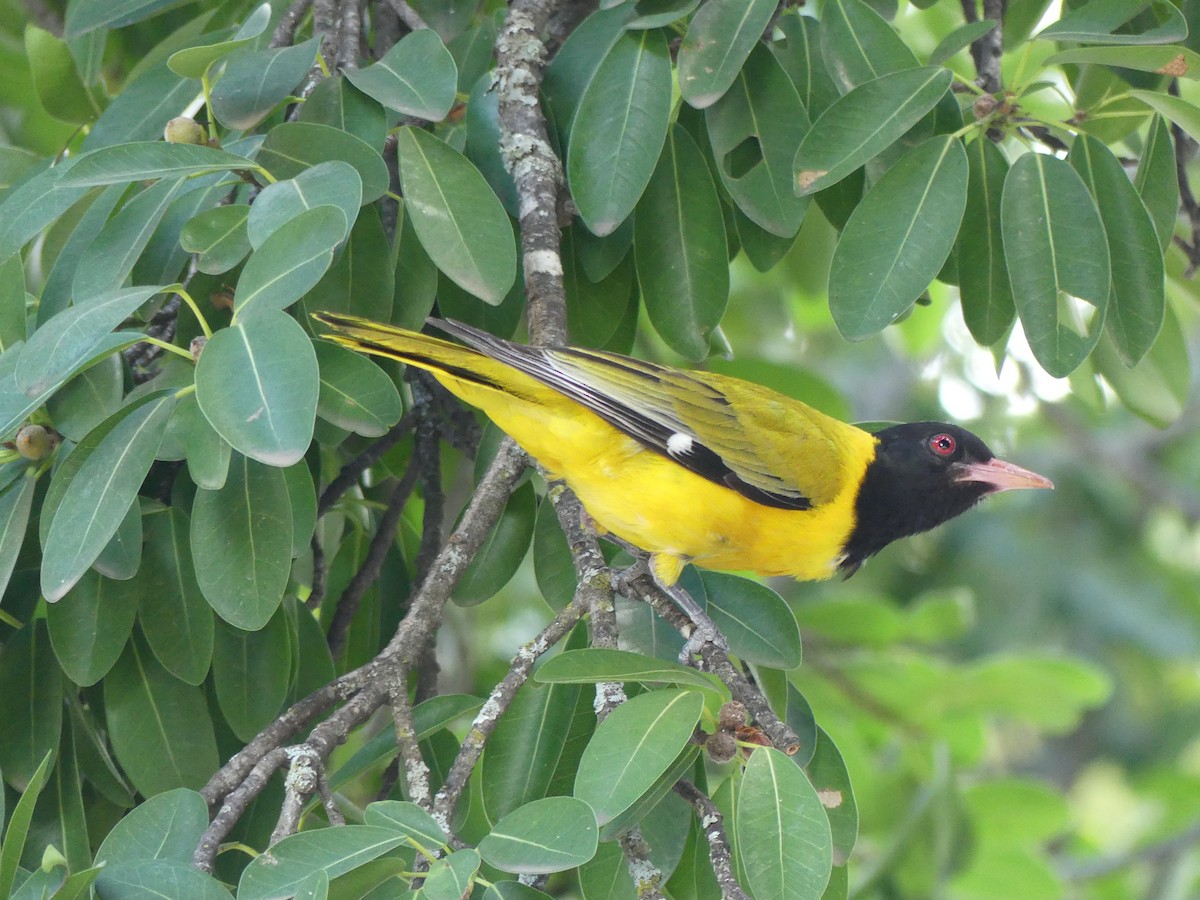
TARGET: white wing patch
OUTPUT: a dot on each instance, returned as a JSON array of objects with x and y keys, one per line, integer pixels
[{"x": 679, "y": 444}]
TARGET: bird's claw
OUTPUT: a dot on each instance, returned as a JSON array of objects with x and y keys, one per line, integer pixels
[{"x": 701, "y": 635}]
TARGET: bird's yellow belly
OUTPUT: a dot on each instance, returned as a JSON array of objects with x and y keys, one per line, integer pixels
[{"x": 661, "y": 507}]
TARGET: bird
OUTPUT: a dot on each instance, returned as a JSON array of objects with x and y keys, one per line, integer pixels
[{"x": 698, "y": 467}]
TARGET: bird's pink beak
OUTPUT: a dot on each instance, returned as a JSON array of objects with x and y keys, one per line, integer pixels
[{"x": 1001, "y": 476}]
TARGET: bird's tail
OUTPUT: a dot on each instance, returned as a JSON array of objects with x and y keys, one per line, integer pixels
[{"x": 461, "y": 364}]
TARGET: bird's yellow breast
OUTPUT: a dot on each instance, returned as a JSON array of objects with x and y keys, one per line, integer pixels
[{"x": 652, "y": 502}]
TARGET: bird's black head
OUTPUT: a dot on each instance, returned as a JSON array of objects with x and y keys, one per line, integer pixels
[{"x": 923, "y": 474}]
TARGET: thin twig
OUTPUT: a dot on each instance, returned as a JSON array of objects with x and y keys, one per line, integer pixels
[
  {"x": 712, "y": 826},
  {"x": 368, "y": 572},
  {"x": 987, "y": 50},
  {"x": 647, "y": 877},
  {"x": 409, "y": 16},
  {"x": 285, "y": 31},
  {"x": 353, "y": 470},
  {"x": 496, "y": 705},
  {"x": 349, "y": 34}
]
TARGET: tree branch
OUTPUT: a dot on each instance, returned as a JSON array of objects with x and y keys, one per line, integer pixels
[
  {"x": 536, "y": 170},
  {"x": 987, "y": 50},
  {"x": 712, "y": 824},
  {"x": 713, "y": 659},
  {"x": 285, "y": 31}
]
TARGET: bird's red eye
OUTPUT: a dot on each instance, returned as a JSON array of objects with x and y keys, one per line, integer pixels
[{"x": 942, "y": 444}]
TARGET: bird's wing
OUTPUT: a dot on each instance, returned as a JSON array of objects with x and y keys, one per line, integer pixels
[{"x": 772, "y": 450}]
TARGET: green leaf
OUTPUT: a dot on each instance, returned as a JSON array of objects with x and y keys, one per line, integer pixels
[
  {"x": 159, "y": 878},
  {"x": 553, "y": 566},
  {"x": 1156, "y": 181},
  {"x": 753, "y": 130},
  {"x": 166, "y": 827},
  {"x": 502, "y": 552},
  {"x": 334, "y": 183},
  {"x": 657, "y": 13},
  {"x": 90, "y": 625},
  {"x": 17, "y": 831},
  {"x": 60, "y": 90},
  {"x": 483, "y": 143},
  {"x": 451, "y": 878},
  {"x": 147, "y": 160},
  {"x": 292, "y": 147},
  {"x": 88, "y": 15},
  {"x": 679, "y": 245},
  {"x": 574, "y": 65},
  {"x": 31, "y": 207},
  {"x": 898, "y": 238},
  {"x": 719, "y": 38},
  {"x": 12, "y": 302},
  {"x": 251, "y": 670},
  {"x": 277, "y": 871},
  {"x": 337, "y": 103},
  {"x": 619, "y": 129},
  {"x": 755, "y": 620},
  {"x": 782, "y": 832},
  {"x": 110, "y": 258},
  {"x": 631, "y": 748},
  {"x": 362, "y": 279},
  {"x": 176, "y": 620},
  {"x": 417, "y": 77},
  {"x": 959, "y": 39},
  {"x": 534, "y": 744},
  {"x": 31, "y": 708},
  {"x": 97, "y": 498},
  {"x": 159, "y": 726},
  {"x": 987, "y": 298},
  {"x": 257, "y": 383},
  {"x": 1185, "y": 115},
  {"x": 218, "y": 237},
  {"x": 595, "y": 665},
  {"x": 858, "y": 45},
  {"x": 472, "y": 52},
  {"x": 800, "y": 55},
  {"x": 864, "y": 123},
  {"x": 72, "y": 338},
  {"x": 290, "y": 261},
  {"x": 15, "y": 503},
  {"x": 255, "y": 82},
  {"x": 1057, "y": 256},
  {"x": 207, "y": 452},
  {"x": 417, "y": 825},
  {"x": 243, "y": 535},
  {"x": 1157, "y": 389},
  {"x": 458, "y": 218},
  {"x": 355, "y": 393},
  {"x": 142, "y": 109},
  {"x": 302, "y": 495},
  {"x": 87, "y": 399},
  {"x": 831, "y": 780},
  {"x": 121, "y": 556},
  {"x": 549, "y": 835},
  {"x": 193, "y": 62},
  {"x": 1173, "y": 60},
  {"x": 1095, "y": 22},
  {"x": 1138, "y": 300}
]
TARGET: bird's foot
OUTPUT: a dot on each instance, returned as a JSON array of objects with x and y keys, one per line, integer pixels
[{"x": 703, "y": 629}]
